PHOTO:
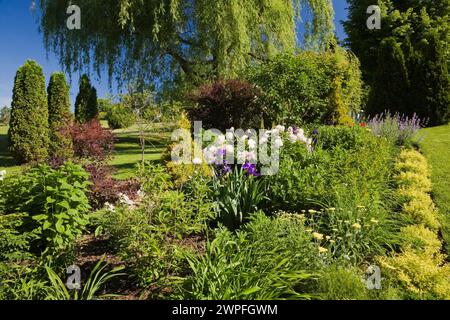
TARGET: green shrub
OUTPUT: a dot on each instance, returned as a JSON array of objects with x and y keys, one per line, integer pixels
[
  {"x": 308, "y": 180},
  {"x": 55, "y": 202},
  {"x": 310, "y": 87},
  {"x": 420, "y": 275},
  {"x": 347, "y": 138},
  {"x": 119, "y": 117},
  {"x": 339, "y": 283},
  {"x": 240, "y": 266},
  {"x": 5, "y": 115},
  {"x": 353, "y": 232},
  {"x": 28, "y": 127},
  {"x": 14, "y": 245}
]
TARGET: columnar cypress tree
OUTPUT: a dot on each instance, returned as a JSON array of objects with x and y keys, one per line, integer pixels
[
  {"x": 58, "y": 115},
  {"x": 28, "y": 131},
  {"x": 58, "y": 100},
  {"x": 92, "y": 106},
  {"x": 391, "y": 82},
  {"x": 430, "y": 82},
  {"x": 86, "y": 104}
]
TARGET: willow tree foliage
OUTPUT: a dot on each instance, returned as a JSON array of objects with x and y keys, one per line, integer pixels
[{"x": 176, "y": 40}]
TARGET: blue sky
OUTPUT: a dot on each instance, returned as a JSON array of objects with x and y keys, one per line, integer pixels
[{"x": 20, "y": 40}]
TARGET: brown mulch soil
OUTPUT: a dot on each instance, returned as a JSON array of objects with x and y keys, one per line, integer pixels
[{"x": 90, "y": 250}]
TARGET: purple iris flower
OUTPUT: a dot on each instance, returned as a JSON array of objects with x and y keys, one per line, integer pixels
[
  {"x": 223, "y": 168},
  {"x": 295, "y": 130},
  {"x": 250, "y": 169},
  {"x": 315, "y": 138}
]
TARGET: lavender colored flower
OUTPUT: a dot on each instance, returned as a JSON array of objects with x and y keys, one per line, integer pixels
[{"x": 396, "y": 128}]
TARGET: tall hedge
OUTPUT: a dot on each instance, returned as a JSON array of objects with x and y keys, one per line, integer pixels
[
  {"x": 58, "y": 115},
  {"x": 391, "y": 80},
  {"x": 310, "y": 87},
  {"x": 28, "y": 131},
  {"x": 86, "y": 105}
]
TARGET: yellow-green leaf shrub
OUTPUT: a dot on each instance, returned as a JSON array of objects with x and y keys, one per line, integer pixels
[
  {"x": 419, "y": 269},
  {"x": 419, "y": 274},
  {"x": 420, "y": 239}
]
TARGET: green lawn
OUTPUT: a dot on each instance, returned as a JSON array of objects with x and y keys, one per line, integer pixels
[
  {"x": 127, "y": 149},
  {"x": 435, "y": 145}
]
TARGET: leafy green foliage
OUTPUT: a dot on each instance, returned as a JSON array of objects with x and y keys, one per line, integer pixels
[
  {"x": 21, "y": 282},
  {"x": 5, "y": 115},
  {"x": 266, "y": 261},
  {"x": 309, "y": 87},
  {"x": 14, "y": 245},
  {"x": 343, "y": 161},
  {"x": 180, "y": 41},
  {"x": 28, "y": 127},
  {"x": 237, "y": 196},
  {"x": 339, "y": 283},
  {"x": 98, "y": 278},
  {"x": 119, "y": 117},
  {"x": 147, "y": 237},
  {"x": 406, "y": 61},
  {"x": 55, "y": 202}
]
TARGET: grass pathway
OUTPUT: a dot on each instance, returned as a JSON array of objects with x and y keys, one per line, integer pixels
[
  {"x": 435, "y": 145},
  {"x": 127, "y": 151}
]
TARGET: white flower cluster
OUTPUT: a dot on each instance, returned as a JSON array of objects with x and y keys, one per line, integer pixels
[
  {"x": 224, "y": 145},
  {"x": 298, "y": 135},
  {"x": 125, "y": 200},
  {"x": 2, "y": 175}
]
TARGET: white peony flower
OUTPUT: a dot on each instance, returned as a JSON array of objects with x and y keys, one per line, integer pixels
[
  {"x": 252, "y": 143},
  {"x": 229, "y": 148},
  {"x": 278, "y": 143}
]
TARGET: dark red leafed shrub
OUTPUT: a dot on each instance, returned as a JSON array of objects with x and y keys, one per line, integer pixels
[
  {"x": 225, "y": 104},
  {"x": 105, "y": 188},
  {"x": 91, "y": 140}
]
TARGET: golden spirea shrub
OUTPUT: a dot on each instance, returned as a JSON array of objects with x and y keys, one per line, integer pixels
[
  {"x": 182, "y": 173},
  {"x": 419, "y": 268},
  {"x": 421, "y": 275},
  {"x": 420, "y": 239}
]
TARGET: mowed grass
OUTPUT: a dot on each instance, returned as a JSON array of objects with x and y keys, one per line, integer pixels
[
  {"x": 435, "y": 145},
  {"x": 127, "y": 151}
]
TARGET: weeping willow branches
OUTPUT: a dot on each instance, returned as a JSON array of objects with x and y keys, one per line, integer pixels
[{"x": 179, "y": 40}]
